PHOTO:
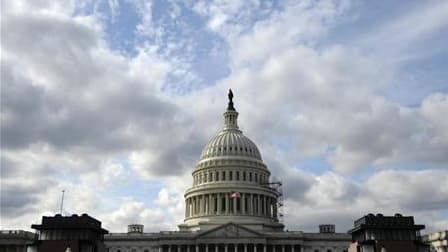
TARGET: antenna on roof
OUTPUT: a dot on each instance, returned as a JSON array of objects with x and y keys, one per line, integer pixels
[{"x": 62, "y": 202}]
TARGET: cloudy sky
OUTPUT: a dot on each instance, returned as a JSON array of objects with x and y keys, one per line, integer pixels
[{"x": 112, "y": 101}]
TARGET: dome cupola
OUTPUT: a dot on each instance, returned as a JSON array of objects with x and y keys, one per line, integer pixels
[{"x": 231, "y": 141}]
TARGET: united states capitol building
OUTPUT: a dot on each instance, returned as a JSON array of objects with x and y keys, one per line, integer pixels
[{"x": 232, "y": 206}]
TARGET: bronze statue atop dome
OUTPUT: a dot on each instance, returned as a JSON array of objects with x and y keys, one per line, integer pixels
[{"x": 230, "y": 105}]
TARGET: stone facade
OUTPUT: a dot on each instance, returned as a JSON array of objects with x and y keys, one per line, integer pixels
[
  {"x": 232, "y": 206},
  {"x": 438, "y": 241},
  {"x": 230, "y": 237}
]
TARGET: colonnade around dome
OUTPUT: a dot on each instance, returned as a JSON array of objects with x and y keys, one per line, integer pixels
[{"x": 224, "y": 204}]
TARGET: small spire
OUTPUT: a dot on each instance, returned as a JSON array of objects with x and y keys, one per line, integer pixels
[{"x": 230, "y": 105}]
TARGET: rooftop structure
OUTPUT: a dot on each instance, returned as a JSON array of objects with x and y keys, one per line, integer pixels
[
  {"x": 79, "y": 233},
  {"x": 386, "y": 233}
]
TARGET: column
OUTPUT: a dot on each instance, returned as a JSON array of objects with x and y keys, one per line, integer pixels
[
  {"x": 226, "y": 249},
  {"x": 201, "y": 204},
  {"x": 259, "y": 205},
  {"x": 188, "y": 248},
  {"x": 160, "y": 248},
  {"x": 243, "y": 203},
  {"x": 255, "y": 247},
  {"x": 234, "y": 204},
  {"x": 268, "y": 205},
  {"x": 301, "y": 248},
  {"x": 169, "y": 248},
  {"x": 206, "y": 247},
  {"x": 251, "y": 204},
  {"x": 293, "y": 248},
  {"x": 178, "y": 248},
  {"x": 205, "y": 204},
  {"x": 262, "y": 205},
  {"x": 227, "y": 204},
  {"x": 197, "y": 248},
  {"x": 283, "y": 248},
  {"x": 245, "y": 247},
  {"x": 198, "y": 204},
  {"x": 216, "y": 247},
  {"x": 204, "y": 207},
  {"x": 235, "y": 249},
  {"x": 264, "y": 248},
  {"x": 210, "y": 204},
  {"x": 265, "y": 205},
  {"x": 189, "y": 208},
  {"x": 219, "y": 201}
]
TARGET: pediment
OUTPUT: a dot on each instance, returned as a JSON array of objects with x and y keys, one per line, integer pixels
[{"x": 229, "y": 230}]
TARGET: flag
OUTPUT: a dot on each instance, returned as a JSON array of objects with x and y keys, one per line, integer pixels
[{"x": 235, "y": 195}]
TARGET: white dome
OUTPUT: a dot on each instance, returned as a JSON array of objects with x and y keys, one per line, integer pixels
[{"x": 231, "y": 143}]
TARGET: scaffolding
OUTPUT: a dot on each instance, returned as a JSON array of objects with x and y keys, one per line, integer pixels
[{"x": 276, "y": 185}]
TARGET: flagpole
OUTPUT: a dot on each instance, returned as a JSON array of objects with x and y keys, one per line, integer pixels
[{"x": 62, "y": 201}]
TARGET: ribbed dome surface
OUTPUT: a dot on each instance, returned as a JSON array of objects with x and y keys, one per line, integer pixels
[{"x": 231, "y": 143}]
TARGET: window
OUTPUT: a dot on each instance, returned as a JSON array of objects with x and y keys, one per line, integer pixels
[
  {"x": 256, "y": 177},
  {"x": 217, "y": 176},
  {"x": 244, "y": 176},
  {"x": 210, "y": 176},
  {"x": 230, "y": 175},
  {"x": 223, "y": 175},
  {"x": 237, "y": 175},
  {"x": 250, "y": 176}
]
